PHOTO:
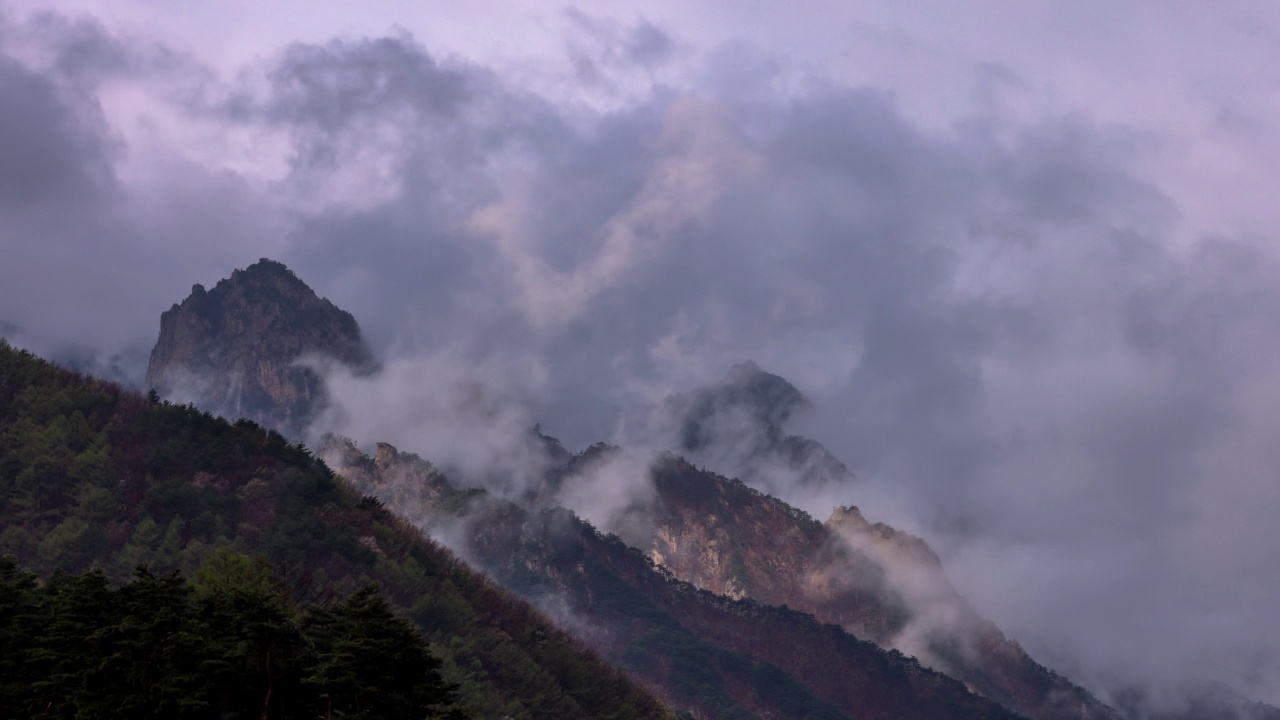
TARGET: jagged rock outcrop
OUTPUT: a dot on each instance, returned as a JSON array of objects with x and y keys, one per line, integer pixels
[{"x": 236, "y": 349}]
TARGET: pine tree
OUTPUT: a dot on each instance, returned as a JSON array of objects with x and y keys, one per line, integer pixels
[
  {"x": 66, "y": 659},
  {"x": 255, "y": 641},
  {"x": 156, "y": 649},
  {"x": 368, "y": 663},
  {"x": 21, "y": 624}
]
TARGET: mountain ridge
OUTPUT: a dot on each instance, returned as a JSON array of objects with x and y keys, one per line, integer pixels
[{"x": 742, "y": 656}]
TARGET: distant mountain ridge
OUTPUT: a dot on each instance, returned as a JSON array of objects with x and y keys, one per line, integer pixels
[{"x": 235, "y": 350}]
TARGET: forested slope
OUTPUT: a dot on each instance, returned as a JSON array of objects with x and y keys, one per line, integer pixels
[
  {"x": 233, "y": 644},
  {"x": 93, "y": 476}
]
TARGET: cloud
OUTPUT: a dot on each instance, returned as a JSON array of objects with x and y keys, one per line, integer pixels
[
  {"x": 52, "y": 153},
  {"x": 96, "y": 229},
  {"x": 1019, "y": 318},
  {"x": 467, "y": 418}
]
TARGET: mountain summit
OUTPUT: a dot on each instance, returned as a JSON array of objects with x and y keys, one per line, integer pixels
[
  {"x": 236, "y": 349},
  {"x": 738, "y": 426}
]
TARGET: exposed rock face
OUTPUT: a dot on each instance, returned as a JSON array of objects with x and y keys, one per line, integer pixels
[
  {"x": 878, "y": 583},
  {"x": 873, "y": 580},
  {"x": 409, "y": 485},
  {"x": 235, "y": 349}
]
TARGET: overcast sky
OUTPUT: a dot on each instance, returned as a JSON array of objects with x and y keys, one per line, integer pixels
[{"x": 1021, "y": 256}]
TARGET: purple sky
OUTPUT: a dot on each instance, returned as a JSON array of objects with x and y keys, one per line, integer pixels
[{"x": 1019, "y": 254}]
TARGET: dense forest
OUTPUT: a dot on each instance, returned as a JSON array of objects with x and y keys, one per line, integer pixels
[
  {"x": 96, "y": 481},
  {"x": 231, "y": 644}
]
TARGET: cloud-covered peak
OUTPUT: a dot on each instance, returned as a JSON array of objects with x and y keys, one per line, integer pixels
[
  {"x": 740, "y": 426},
  {"x": 764, "y": 402}
]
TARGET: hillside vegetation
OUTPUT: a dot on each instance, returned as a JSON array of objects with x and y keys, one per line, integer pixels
[{"x": 94, "y": 477}]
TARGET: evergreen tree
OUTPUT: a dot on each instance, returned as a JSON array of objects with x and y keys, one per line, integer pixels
[
  {"x": 254, "y": 640},
  {"x": 368, "y": 663},
  {"x": 154, "y": 654},
  {"x": 65, "y": 659},
  {"x": 21, "y": 623}
]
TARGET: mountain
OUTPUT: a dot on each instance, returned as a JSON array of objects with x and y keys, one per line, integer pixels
[
  {"x": 727, "y": 541},
  {"x": 737, "y": 427},
  {"x": 878, "y": 583},
  {"x": 239, "y": 349},
  {"x": 704, "y": 653},
  {"x": 239, "y": 346},
  {"x": 678, "y": 555},
  {"x": 95, "y": 476}
]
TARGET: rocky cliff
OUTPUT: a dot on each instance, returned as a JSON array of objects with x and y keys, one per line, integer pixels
[
  {"x": 238, "y": 349},
  {"x": 878, "y": 583}
]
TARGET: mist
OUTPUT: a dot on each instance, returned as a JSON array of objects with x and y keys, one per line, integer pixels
[{"x": 1023, "y": 274}]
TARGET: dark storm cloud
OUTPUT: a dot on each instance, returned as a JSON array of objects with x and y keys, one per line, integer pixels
[
  {"x": 52, "y": 151},
  {"x": 994, "y": 321}
]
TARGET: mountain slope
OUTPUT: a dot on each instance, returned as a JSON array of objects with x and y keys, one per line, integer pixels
[
  {"x": 235, "y": 349},
  {"x": 703, "y": 652},
  {"x": 879, "y": 583},
  {"x": 91, "y": 474}
]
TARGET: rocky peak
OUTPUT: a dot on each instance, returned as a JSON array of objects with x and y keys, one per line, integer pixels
[
  {"x": 748, "y": 401},
  {"x": 236, "y": 349},
  {"x": 738, "y": 426}
]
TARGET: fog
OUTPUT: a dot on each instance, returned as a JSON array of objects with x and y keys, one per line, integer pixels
[{"x": 1022, "y": 270}]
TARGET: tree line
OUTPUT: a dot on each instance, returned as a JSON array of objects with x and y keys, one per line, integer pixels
[{"x": 229, "y": 643}]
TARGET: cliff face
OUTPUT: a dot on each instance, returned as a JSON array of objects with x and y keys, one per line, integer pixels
[
  {"x": 876, "y": 582},
  {"x": 879, "y": 583},
  {"x": 234, "y": 350}
]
